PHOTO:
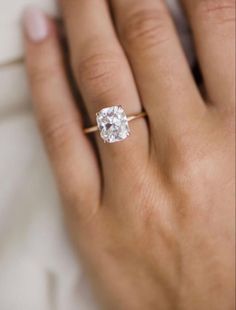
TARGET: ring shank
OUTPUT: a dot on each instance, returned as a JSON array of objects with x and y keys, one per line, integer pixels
[{"x": 129, "y": 118}]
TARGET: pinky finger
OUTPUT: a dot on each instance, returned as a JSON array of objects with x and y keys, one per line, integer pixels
[{"x": 71, "y": 154}]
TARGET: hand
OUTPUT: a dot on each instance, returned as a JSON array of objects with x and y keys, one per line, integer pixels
[{"x": 152, "y": 216}]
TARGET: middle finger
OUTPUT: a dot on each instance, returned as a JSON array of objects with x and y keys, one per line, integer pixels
[{"x": 163, "y": 76}]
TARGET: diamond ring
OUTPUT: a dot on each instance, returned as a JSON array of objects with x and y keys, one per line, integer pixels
[{"x": 113, "y": 124}]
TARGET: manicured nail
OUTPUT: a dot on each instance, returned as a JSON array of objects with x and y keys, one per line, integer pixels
[{"x": 36, "y": 24}]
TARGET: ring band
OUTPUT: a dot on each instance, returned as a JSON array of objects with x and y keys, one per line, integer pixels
[
  {"x": 129, "y": 119},
  {"x": 112, "y": 123}
]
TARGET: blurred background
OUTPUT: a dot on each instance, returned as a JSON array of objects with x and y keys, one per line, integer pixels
[{"x": 38, "y": 269}]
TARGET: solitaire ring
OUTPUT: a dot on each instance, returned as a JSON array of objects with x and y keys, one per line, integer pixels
[{"x": 113, "y": 124}]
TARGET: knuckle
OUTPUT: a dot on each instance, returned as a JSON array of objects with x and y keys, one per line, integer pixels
[
  {"x": 190, "y": 160},
  {"x": 96, "y": 73},
  {"x": 220, "y": 11},
  {"x": 145, "y": 29},
  {"x": 41, "y": 75},
  {"x": 194, "y": 162},
  {"x": 57, "y": 133}
]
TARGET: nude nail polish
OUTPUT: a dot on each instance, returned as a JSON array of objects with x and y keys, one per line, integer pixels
[{"x": 35, "y": 24}]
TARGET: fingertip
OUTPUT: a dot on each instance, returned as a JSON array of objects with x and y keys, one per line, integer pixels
[{"x": 36, "y": 24}]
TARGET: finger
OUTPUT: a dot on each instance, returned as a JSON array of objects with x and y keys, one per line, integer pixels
[
  {"x": 213, "y": 24},
  {"x": 166, "y": 86},
  {"x": 104, "y": 76},
  {"x": 60, "y": 123}
]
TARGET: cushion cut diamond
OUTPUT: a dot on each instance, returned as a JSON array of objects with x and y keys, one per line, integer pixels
[{"x": 113, "y": 124}]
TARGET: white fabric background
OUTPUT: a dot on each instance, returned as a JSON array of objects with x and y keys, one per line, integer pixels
[{"x": 38, "y": 270}]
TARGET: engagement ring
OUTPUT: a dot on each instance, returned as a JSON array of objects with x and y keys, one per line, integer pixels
[{"x": 113, "y": 124}]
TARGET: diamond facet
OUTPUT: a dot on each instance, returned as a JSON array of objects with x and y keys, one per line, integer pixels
[{"x": 113, "y": 124}]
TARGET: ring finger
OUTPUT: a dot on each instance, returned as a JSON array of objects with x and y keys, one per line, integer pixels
[{"x": 103, "y": 75}]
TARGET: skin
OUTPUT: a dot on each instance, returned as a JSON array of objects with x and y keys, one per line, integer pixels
[{"x": 152, "y": 217}]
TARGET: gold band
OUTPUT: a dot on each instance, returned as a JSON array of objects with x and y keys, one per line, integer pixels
[{"x": 129, "y": 118}]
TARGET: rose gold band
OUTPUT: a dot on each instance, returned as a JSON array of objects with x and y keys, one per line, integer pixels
[{"x": 129, "y": 118}]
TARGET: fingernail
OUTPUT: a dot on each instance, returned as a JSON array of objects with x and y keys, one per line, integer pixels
[{"x": 35, "y": 24}]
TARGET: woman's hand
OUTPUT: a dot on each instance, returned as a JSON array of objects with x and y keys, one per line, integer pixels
[{"x": 152, "y": 216}]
